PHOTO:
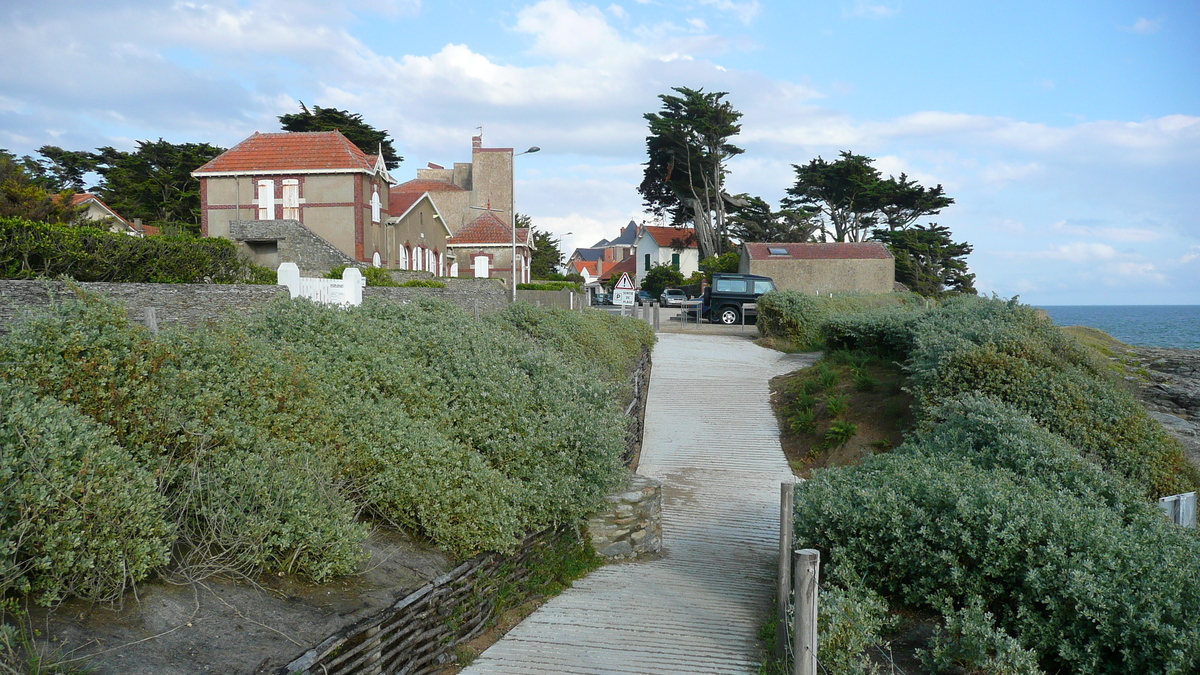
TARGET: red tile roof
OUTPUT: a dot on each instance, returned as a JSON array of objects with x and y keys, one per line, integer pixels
[
  {"x": 627, "y": 265},
  {"x": 291, "y": 152},
  {"x": 427, "y": 185},
  {"x": 403, "y": 196},
  {"x": 672, "y": 236},
  {"x": 581, "y": 265},
  {"x": 831, "y": 251},
  {"x": 485, "y": 230}
]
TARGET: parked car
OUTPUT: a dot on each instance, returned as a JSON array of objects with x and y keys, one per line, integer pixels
[
  {"x": 644, "y": 298},
  {"x": 724, "y": 299},
  {"x": 672, "y": 297}
]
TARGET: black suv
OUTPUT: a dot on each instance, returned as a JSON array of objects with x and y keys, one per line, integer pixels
[{"x": 724, "y": 298}]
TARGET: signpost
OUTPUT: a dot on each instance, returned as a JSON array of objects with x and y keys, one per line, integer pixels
[{"x": 623, "y": 293}]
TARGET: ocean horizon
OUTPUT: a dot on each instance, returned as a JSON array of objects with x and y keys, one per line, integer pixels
[{"x": 1176, "y": 326}]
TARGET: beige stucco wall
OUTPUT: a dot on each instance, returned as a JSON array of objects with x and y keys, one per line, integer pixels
[
  {"x": 491, "y": 180},
  {"x": 825, "y": 276},
  {"x": 329, "y": 189},
  {"x": 334, "y": 224},
  {"x": 501, "y": 258},
  {"x": 455, "y": 208},
  {"x": 419, "y": 221},
  {"x": 223, "y": 190}
]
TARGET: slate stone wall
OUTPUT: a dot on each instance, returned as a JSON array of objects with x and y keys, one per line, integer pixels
[
  {"x": 298, "y": 244},
  {"x": 174, "y": 304},
  {"x": 631, "y": 525}
]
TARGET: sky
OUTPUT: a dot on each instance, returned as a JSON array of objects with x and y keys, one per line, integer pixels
[{"x": 1067, "y": 132}]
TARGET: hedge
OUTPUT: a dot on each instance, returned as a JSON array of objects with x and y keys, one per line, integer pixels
[
  {"x": 29, "y": 249},
  {"x": 798, "y": 317}
]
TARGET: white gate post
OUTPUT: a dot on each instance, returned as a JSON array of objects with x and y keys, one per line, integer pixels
[
  {"x": 352, "y": 285},
  {"x": 288, "y": 275}
]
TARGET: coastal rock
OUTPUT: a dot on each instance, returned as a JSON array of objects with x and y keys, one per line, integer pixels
[{"x": 1170, "y": 390}]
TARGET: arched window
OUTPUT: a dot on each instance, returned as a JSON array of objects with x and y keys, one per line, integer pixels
[
  {"x": 403, "y": 261},
  {"x": 418, "y": 257},
  {"x": 437, "y": 264},
  {"x": 376, "y": 261},
  {"x": 430, "y": 265}
]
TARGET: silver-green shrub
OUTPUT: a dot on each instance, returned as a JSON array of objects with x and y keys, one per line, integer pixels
[
  {"x": 986, "y": 504},
  {"x": 78, "y": 516},
  {"x": 270, "y": 437}
]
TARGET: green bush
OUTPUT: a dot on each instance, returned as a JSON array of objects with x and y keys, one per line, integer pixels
[
  {"x": 269, "y": 435},
  {"x": 29, "y": 250},
  {"x": 851, "y": 620},
  {"x": 550, "y": 286},
  {"x": 421, "y": 283},
  {"x": 799, "y": 318},
  {"x": 78, "y": 516},
  {"x": 971, "y": 641},
  {"x": 986, "y": 504}
]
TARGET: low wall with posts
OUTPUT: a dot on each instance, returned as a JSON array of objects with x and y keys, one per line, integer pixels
[
  {"x": 174, "y": 304},
  {"x": 631, "y": 525}
]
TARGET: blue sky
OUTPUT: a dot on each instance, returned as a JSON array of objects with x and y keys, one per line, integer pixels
[{"x": 1067, "y": 132}]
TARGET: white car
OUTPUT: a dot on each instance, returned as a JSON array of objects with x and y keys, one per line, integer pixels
[{"x": 672, "y": 297}]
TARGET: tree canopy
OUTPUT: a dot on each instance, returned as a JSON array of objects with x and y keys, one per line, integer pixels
[
  {"x": 687, "y": 150},
  {"x": 849, "y": 197},
  {"x": 22, "y": 196},
  {"x": 752, "y": 219},
  {"x": 660, "y": 277},
  {"x": 928, "y": 261},
  {"x": 155, "y": 181},
  {"x": 547, "y": 257},
  {"x": 368, "y": 139}
]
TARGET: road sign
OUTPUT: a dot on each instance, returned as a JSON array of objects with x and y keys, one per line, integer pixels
[
  {"x": 623, "y": 296},
  {"x": 625, "y": 284}
]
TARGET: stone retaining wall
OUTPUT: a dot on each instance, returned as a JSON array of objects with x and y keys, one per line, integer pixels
[
  {"x": 175, "y": 304},
  {"x": 195, "y": 304},
  {"x": 632, "y": 523}
]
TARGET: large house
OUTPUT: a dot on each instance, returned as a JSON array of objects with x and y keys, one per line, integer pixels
[
  {"x": 674, "y": 246},
  {"x": 861, "y": 267},
  {"x": 291, "y": 186}
]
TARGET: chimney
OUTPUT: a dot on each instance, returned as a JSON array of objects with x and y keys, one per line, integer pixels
[{"x": 476, "y": 142}]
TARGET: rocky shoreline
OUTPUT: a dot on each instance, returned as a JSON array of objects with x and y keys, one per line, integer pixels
[{"x": 1168, "y": 384}]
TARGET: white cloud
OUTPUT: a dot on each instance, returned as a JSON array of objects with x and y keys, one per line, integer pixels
[
  {"x": 744, "y": 11},
  {"x": 865, "y": 9},
  {"x": 1079, "y": 252},
  {"x": 1144, "y": 26},
  {"x": 1118, "y": 234},
  {"x": 1003, "y": 172},
  {"x": 618, "y": 11}
]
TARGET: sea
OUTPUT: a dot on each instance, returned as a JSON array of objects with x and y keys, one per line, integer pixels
[{"x": 1144, "y": 325}]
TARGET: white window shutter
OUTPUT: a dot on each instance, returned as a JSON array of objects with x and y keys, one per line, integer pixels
[
  {"x": 266, "y": 200},
  {"x": 291, "y": 199}
]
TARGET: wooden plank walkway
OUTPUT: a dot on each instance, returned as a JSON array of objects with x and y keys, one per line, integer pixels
[{"x": 712, "y": 440}]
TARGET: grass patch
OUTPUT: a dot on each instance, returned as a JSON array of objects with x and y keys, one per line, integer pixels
[{"x": 829, "y": 418}]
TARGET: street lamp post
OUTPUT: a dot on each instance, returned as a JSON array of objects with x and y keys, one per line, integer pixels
[{"x": 512, "y": 211}]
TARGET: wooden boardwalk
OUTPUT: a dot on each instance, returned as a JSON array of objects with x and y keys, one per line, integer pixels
[{"x": 712, "y": 440}]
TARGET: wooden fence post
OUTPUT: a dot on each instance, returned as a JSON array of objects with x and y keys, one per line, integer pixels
[
  {"x": 150, "y": 319},
  {"x": 784, "y": 590},
  {"x": 807, "y": 571}
]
